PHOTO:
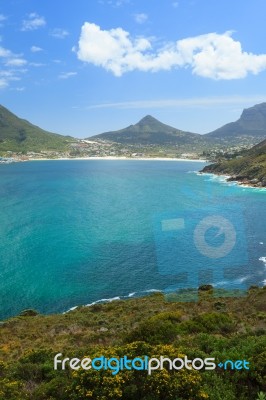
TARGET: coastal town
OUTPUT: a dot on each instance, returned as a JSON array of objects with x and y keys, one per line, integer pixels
[{"x": 83, "y": 148}]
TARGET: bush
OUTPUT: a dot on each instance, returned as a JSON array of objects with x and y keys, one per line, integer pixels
[
  {"x": 161, "y": 328},
  {"x": 131, "y": 384},
  {"x": 209, "y": 322}
]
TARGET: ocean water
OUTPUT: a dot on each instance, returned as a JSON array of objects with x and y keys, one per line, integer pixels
[{"x": 74, "y": 232}]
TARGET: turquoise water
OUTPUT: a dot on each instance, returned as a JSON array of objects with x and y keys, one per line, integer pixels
[{"x": 74, "y": 232}]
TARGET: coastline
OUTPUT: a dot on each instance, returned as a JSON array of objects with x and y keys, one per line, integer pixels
[
  {"x": 135, "y": 295},
  {"x": 231, "y": 179},
  {"x": 120, "y": 158}
]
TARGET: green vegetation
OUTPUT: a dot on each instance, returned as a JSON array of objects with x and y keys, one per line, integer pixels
[
  {"x": 250, "y": 168},
  {"x": 221, "y": 327},
  {"x": 18, "y": 135}
]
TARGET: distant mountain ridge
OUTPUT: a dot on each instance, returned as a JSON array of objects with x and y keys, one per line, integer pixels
[
  {"x": 251, "y": 122},
  {"x": 148, "y": 130},
  {"x": 17, "y": 134}
]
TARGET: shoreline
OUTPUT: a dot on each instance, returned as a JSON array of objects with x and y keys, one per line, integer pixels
[
  {"x": 230, "y": 179},
  {"x": 120, "y": 158}
]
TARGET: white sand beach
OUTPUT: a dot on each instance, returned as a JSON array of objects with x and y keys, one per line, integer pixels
[{"x": 119, "y": 158}]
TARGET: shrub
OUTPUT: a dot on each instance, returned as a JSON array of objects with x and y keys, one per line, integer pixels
[
  {"x": 161, "y": 328},
  {"x": 131, "y": 384},
  {"x": 208, "y": 322}
]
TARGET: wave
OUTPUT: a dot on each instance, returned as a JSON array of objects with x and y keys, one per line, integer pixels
[
  {"x": 142, "y": 293},
  {"x": 223, "y": 179},
  {"x": 263, "y": 259},
  {"x": 111, "y": 299},
  {"x": 230, "y": 283}
]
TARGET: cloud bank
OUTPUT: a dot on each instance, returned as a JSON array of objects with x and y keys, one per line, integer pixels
[{"x": 215, "y": 56}]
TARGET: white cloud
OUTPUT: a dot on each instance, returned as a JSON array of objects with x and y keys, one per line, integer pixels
[
  {"x": 141, "y": 18},
  {"x": 4, "y": 80},
  {"x": 59, "y": 33},
  {"x": 119, "y": 3},
  {"x": 11, "y": 59},
  {"x": 34, "y": 64},
  {"x": 10, "y": 67},
  {"x": 187, "y": 102},
  {"x": 175, "y": 4},
  {"x": 3, "y": 83},
  {"x": 114, "y": 3},
  {"x": 215, "y": 56},
  {"x": 19, "y": 89},
  {"x": 34, "y": 21},
  {"x": 6, "y": 76},
  {"x": 4, "y": 53},
  {"x": 2, "y": 19},
  {"x": 35, "y": 49},
  {"x": 66, "y": 75},
  {"x": 16, "y": 62}
]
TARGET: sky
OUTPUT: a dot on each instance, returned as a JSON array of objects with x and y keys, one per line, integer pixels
[{"x": 84, "y": 67}]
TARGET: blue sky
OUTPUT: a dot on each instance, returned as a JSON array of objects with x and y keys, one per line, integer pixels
[{"x": 87, "y": 66}]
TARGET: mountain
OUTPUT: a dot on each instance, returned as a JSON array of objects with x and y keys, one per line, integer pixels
[
  {"x": 252, "y": 122},
  {"x": 17, "y": 135},
  {"x": 249, "y": 169},
  {"x": 249, "y": 129},
  {"x": 149, "y": 131}
]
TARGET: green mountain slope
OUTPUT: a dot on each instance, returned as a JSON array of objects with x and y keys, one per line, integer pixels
[
  {"x": 149, "y": 131},
  {"x": 252, "y": 122},
  {"x": 249, "y": 169},
  {"x": 17, "y": 135}
]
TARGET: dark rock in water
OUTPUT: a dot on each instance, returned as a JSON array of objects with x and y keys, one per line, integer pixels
[
  {"x": 263, "y": 182},
  {"x": 28, "y": 313},
  {"x": 253, "y": 287},
  {"x": 205, "y": 288}
]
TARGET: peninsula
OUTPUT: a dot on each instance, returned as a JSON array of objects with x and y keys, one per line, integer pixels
[{"x": 247, "y": 169}]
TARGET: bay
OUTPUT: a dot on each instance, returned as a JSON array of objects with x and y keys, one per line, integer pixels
[{"x": 76, "y": 231}]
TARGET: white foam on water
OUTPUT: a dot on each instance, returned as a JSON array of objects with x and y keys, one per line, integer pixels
[
  {"x": 109, "y": 300},
  {"x": 263, "y": 259}
]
